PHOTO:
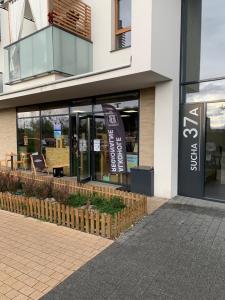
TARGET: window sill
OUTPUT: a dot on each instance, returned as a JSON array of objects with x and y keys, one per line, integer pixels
[{"x": 115, "y": 50}]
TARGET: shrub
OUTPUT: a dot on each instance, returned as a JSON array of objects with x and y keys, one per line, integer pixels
[
  {"x": 9, "y": 183},
  {"x": 60, "y": 195},
  {"x": 78, "y": 200},
  {"x": 29, "y": 188},
  {"x": 43, "y": 190},
  {"x": 3, "y": 182},
  {"x": 109, "y": 206},
  {"x": 13, "y": 184}
]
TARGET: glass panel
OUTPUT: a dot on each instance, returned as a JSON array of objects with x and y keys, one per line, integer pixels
[
  {"x": 42, "y": 51},
  {"x": 204, "y": 92},
  {"x": 84, "y": 148},
  {"x": 204, "y": 42},
  {"x": 81, "y": 109},
  {"x": 215, "y": 151},
  {"x": 27, "y": 112},
  {"x": 72, "y": 55},
  {"x": 74, "y": 145},
  {"x": 124, "y": 14},
  {"x": 26, "y": 57},
  {"x": 55, "y": 142},
  {"x": 28, "y": 135},
  {"x": 129, "y": 112},
  {"x": 48, "y": 50},
  {"x": 55, "y": 111}
]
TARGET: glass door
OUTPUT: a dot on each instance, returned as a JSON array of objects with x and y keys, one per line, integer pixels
[
  {"x": 215, "y": 151},
  {"x": 84, "y": 148}
]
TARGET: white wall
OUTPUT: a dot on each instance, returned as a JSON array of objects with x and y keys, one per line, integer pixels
[
  {"x": 28, "y": 28},
  {"x": 102, "y": 31},
  {"x": 167, "y": 99}
]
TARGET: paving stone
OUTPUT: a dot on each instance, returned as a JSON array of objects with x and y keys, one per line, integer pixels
[{"x": 178, "y": 252}]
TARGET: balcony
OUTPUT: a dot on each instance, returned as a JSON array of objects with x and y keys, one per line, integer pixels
[
  {"x": 50, "y": 50},
  {"x": 63, "y": 47}
]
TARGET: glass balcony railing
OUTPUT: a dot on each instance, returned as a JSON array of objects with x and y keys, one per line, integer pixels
[{"x": 50, "y": 50}]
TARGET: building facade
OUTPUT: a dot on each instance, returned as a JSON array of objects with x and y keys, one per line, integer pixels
[
  {"x": 63, "y": 60},
  {"x": 202, "y": 117}
]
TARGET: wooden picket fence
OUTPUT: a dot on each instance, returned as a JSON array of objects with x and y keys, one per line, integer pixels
[{"x": 83, "y": 219}]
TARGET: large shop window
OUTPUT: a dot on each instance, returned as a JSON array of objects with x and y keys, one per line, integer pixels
[
  {"x": 55, "y": 142},
  {"x": 28, "y": 135},
  {"x": 129, "y": 112},
  {"x": 123, "y": 23},
  {"x": 204, "y": 92},
  {"x": 203, "y": 39}
]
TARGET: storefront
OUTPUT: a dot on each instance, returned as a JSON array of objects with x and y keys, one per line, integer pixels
[
  {"x": 202, "y": 109},
  {"x": 75, "y": 135}
]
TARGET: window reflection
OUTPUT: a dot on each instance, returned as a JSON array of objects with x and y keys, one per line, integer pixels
[
  {"x": 55, "y": 141},
  {"x": 204, "y": 42},
  {"x": 28, "y": 139},
  {"x": 205, "y": 92}
]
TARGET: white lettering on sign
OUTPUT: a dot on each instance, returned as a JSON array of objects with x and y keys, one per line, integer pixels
[
  {"x": 194, "y": 157},
  {"x": 190, "y": 131}
]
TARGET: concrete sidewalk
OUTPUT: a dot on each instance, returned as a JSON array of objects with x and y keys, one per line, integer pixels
[{"x": 178, "y": 252}]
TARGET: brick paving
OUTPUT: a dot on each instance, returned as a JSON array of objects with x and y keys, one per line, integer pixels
[
  {"x": 36, "y": 256},
  {"x": 178, "y": 252}
]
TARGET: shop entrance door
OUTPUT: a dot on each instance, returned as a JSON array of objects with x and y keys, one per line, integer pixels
[
  {"x": 84, "y": 127},
  {"x": 215, "y": 151}
]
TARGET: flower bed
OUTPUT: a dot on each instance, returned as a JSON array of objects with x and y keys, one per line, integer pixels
[{"x": 96, "y": 210}]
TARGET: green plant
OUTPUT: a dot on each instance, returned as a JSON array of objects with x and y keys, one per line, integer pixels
[
  {"x": 105, "y": 205},
  {"x": 77, "y": 200}
]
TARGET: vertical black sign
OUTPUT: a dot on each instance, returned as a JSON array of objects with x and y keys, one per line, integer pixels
[
  {"x": 191, "y": 152},
  {"x": 116, "y": 139}
]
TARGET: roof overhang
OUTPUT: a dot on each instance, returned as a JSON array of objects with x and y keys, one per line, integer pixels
[{"x": 80, "y": 88}]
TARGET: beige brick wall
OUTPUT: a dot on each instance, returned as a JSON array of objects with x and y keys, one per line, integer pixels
[
  {"x": 147, "y": 120},
  {"x": 7, "y": 132}
]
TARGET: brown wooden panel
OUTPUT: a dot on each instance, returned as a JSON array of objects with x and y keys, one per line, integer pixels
[{"x": 71, "y": 15}]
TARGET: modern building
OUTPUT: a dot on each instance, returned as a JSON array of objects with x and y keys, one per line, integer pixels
[{"x": 62, "y": 60}]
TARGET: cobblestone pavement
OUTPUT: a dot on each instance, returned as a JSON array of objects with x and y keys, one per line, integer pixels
[
  {"x": 35, "y": 256},
  {"x": 178, "y": 252}
]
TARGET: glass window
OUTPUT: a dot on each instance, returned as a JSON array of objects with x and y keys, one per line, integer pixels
[
  {"x": 55, "y": 141},
  {"x": 28, "y": 135},
  {"x": 123, "y": 23},
  {"x": 55, "y": 111},
  {"x": 203, "y": 39},
  {"x": 28, "y": 112},
  {"x": 215, "y": 151},
  {"x": 129, "y": 112},
  {"x": 204, "y": 92}
]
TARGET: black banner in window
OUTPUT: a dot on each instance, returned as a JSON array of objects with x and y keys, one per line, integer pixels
[
  {"x": 191, "y": 152},
  {"x": 116, "y": 139}
]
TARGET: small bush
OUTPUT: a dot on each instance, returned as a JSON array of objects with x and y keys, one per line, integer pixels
[
  {"x": 3, "y": 182},
  {"x": 29, "y": 188},
  {"x": 61, "y": 195},
  {"x": 109, "y": 206},
  {"x": 78, "y": 200},
  {"x": 43, "y": 190},
  {"x": 9, "y": 183},
  {"x": 13, "y": 184}
]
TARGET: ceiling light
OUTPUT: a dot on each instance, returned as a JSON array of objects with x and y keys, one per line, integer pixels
[{"x": 130, "y": 111}]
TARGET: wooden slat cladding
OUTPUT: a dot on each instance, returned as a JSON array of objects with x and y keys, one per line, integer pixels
[{"x": 71, "y": 15}]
